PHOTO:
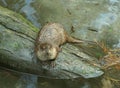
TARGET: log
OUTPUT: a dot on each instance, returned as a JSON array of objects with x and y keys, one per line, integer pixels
[{"x": 17, "y": 38}]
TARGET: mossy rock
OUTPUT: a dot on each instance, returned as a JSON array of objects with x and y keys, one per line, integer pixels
[{"x": 17, "y": 38}]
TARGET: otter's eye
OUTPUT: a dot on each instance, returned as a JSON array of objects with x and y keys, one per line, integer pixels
[{"x": 42, "y": 47}]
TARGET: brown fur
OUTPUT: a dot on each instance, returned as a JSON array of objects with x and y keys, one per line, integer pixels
[{"x": 49, "y": 40}]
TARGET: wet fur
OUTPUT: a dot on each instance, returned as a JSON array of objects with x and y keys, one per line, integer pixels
[{"x": 49, "y": 40}]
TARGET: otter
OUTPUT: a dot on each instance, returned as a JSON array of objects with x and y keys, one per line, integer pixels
[{"x": 49, "y": 40}]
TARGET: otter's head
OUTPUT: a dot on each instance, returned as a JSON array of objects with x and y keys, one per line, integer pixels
[{"x": 46, "y": 52}]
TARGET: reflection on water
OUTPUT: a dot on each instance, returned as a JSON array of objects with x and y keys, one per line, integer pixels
[
  {"x": 4, "y": 2},
  {"x": 10, "y": 79},
  {"x": 24, "y": 7},
  {"x": 29, "y": 11},
  {"x": 27, "y": 81}
]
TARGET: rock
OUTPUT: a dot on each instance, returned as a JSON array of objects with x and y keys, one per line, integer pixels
[{"x": 17, "y": 38}]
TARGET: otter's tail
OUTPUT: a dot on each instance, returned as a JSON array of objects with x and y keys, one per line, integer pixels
[{"x": 73, "y": 40}]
